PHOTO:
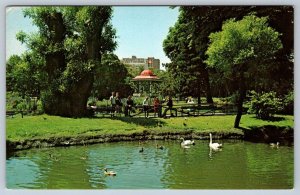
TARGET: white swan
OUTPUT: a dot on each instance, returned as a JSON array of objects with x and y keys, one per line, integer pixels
[
  {"x": 187, "y": 142},
  {"x": 214, "y": 146},
  {"x": 185, "y": 147}
]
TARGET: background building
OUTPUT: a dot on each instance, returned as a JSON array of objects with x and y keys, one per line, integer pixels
[{"x": 146, "y": 63}]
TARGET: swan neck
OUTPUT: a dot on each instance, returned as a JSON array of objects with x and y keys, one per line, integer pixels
[{"x": 210, "y": 138}]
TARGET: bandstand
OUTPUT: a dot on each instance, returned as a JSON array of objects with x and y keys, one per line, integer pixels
[{"x": 147, "y": 83}]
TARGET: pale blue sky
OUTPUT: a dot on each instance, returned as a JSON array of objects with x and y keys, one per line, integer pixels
[{"x": 140, "y": 30}]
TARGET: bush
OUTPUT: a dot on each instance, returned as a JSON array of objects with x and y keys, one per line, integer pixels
[
  {"x": 14, "y": 101},
  {"x": 264, "y": 105},
  {"x": 288, "y": 103}
]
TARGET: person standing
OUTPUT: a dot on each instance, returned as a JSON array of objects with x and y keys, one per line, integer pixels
[
  {"x": 156, "y": 106},
  {"x": 112, "y": 100},
  {"x": 129, "y": 106},
  {"x": 170, "y": 106},
  {"x": 119, "y": 103},
  {"x": 146, "y": 106}
]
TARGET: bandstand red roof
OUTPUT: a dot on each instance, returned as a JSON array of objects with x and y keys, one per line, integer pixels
[{"x": 146, "y": 75}]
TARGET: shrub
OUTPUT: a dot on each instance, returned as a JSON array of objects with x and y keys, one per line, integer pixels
[
  {"x": 14, "y": 101},
  {"x": 288, "y": 103},
  {"x": 264, "y": 105}
]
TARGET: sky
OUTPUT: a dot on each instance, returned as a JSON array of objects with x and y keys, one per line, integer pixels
[{"x": 140, "y": 30}]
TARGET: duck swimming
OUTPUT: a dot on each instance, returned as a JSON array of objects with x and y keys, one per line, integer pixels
[
  {"x": 83, "y": 157},
  {"x": 110, "y": 173},
  {"x": 141, "y": 150},
  {"x": 159, "y": 147}
]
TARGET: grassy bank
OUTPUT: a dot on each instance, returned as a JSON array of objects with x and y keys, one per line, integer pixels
[{"x": 45, "y": 127}]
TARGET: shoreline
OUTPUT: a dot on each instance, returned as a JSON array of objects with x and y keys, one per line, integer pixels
[{"x": 265, "y": 134}]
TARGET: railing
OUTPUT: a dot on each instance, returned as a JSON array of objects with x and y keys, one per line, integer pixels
[
  {"x": 177, "y": 110},
  {"x": 12, "y": 113}
]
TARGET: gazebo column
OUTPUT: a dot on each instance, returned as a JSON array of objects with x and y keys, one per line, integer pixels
[
  {"x": 146, "y": 82},
  {"x": 150, "y": 89}
]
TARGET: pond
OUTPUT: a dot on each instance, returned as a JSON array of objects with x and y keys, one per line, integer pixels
[{"x": 240, "y": 165}]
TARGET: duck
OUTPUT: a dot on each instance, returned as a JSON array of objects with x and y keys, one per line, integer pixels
[
  {"x": 274, "y": 145},
  {"x": 110, "y": 173},
  {"x": 83, "y": 157},
  {"x": 159, "y": 147},
  {"x": 141, "y": 150},
  {"x": 51, "y": 156},
  {"x": 214, "y": 146},
  {"x": 187, "y": 142}
]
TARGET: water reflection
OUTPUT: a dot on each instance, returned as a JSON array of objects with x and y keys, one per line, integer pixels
[
  {"x": 211, "y": 151},
  {"x": 239, "y": 165}
]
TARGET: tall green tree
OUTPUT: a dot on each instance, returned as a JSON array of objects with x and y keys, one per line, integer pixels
[
  {"x": 11, "y": 64},
  {"x": 240, "y": 50},
  {"x": 169, "y": 84},
  {"x": 23, "y": 75},
  {"x": 112, "y": 75},
  {"x": 204, "y": 20},
  {"x": 186, "y": 66},
  {"x": 71, "y": 41}
]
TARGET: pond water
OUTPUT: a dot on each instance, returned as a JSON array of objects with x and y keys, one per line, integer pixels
[{"x": 240, "y": 165}]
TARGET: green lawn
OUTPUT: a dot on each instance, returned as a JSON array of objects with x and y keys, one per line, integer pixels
[{"x": 44, "y": 126}]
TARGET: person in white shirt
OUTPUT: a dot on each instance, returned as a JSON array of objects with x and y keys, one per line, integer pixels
[{"x": 112, "y": 100}]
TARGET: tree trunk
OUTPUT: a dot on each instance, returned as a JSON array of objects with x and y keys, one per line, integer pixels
[
  {"x": 208, "y": 90},
  {"x": 71, "y": 104},
  {"x": 242, "y": 95},
  {"x": 199, "y": 100}
]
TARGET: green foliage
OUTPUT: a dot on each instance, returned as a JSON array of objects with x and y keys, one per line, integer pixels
[
  {"x": 14, "y": 101},
  {"x": 240, "y": 43},
  {"x": 73, "y": 73},
  {"x": 264, "y": 105},
  {"x": 170, "y": 85},
  {"x": 23, "y": 75},
  {"x": 204, "y": 20},
  {"x": 110, "y": 76},
  {"x": 288, "y": 103},
  {"x": 240, "y": 50},
  {"x": 64, "y": 55},
  {"x": 21, "y": 36},
  {"x": 186, "y": 69},
  {"x": 232, "y": 99}
]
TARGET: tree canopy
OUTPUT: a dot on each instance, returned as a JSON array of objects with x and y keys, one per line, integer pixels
[
  {"x": 112, "y": 75},
  {"x": 70, "y": 41},
  {"x": 188, "y": 41},
  {"x": 241, "y": 49},
  {"x": 186, "y": 66},
  {"x": 207, "y": 19},
  {"x": 240, "y": 43}
]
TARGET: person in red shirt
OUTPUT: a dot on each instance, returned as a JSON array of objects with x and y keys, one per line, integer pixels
[{"x": 156, "y": 106}]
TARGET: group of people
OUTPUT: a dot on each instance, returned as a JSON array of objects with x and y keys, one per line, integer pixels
[
  {"x": 117, "y": 104},
  {"x": 147, "y": 106}
]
